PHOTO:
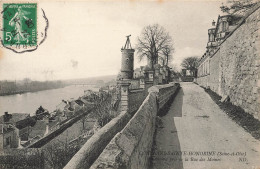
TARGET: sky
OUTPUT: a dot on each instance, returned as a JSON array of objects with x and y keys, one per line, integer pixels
[{"x": 84, "y": 38}]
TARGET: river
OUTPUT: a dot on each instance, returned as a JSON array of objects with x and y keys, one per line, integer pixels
[{"x": 49, "y": 99}]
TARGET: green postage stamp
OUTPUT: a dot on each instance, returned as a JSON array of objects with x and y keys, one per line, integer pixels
[
  {"x": 24, "y": 27},
  {"x": 19, "y": 24}
]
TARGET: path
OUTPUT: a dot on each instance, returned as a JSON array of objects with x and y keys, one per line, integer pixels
[{"x": 195, "y": 124}]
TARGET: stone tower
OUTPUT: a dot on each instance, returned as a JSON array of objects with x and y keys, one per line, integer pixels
[{"x": 127, "y": 61}]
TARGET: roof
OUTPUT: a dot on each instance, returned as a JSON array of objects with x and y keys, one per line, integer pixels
[
  {"x": 19, "y": 116},
  {"x": 212, "y": 28},
  {"x": 74, "y": 103},
  {"x": 70, "y": 109},
  {"x": 79, "y": 102},
  {"x": 14, "y": 117},
  {"x": 231, "y": 20},
  {"x": 38, "y": 129},
  {"x": 67, "y": 106},
  {"x": 61, "y": 105},
  {"x": 25, "y": 123},
  {"x": 147, "y": 68},
  {"x": 86, "y": 102}
]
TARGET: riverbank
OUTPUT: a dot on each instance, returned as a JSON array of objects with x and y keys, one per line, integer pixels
[
  {"x": 49, "y": 99},
  {"x": 29, "y": 91},
  {"x": 27, "y": 85},
  {"x": 13, "y": 93}
]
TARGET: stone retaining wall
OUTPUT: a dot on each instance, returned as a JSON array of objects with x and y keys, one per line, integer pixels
[
  {"x": 96, "y": 144},
  {"x": 63, "y": 127},
  {"x": 136, "y": 98},
  {"x": 163, "y": 92},
  {"x": 135, "y": 84},
  {"x": 127, "y": 148},
  {"x": 234, "y": 68}
]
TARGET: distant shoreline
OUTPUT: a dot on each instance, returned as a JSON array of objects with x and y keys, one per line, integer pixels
[{"x": 22, "y": 92}]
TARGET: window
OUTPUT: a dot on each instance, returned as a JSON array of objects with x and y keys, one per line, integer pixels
[
  {"x": 221, "y": 27},
  {"x": 206, "y": 68},
  {"x": 211, "y": 37},
  {"x": 209, "y": 66},
  {"x": 8, "y": 140},
  {"x": 224, "y": 26},
  {"x": 203, "y": 69}
]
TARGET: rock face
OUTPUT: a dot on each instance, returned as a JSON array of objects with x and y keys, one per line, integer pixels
[{"x": 234, "y": 68}]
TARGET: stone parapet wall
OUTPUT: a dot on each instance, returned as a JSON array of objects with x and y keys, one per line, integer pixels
[
  {"x": 44, "y": 140},
  {"x": 136, "y": 98},
  {"x": 147, "y": 111},
  {"x": 164, "y": 92},
  {"x": 96, "y": 144},
  {"x": 147, "y": 86},
  {"x": 234, "y": 68},
  {"x": 127, "y": 148},
  {"x": 135, "y": 84}
]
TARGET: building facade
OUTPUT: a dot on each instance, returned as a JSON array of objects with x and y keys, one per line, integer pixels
[{"x": 230, "y": 65}]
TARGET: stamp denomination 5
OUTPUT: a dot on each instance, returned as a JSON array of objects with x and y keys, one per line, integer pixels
[{"x": 22, "y": 29}]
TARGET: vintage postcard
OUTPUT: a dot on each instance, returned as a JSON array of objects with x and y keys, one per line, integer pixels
[{"x": 149, "y": 84}]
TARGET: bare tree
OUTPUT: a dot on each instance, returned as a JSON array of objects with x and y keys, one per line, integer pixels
[
  {"x": 151, "y": 43},
  {"x": 83, "y": 121},
  {"x": 103, "y": 111},
  {"x": 167, "y": 54},
  {"x": 190, "y": 63}
]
